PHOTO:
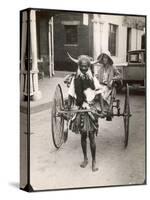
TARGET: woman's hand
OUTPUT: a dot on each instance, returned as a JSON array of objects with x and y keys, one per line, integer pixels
[
  {"x": 109, "y": 85},
  {"x": 85, "y": 105}
]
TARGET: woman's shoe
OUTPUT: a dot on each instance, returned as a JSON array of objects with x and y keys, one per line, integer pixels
[{"x": 109, "y": 117}]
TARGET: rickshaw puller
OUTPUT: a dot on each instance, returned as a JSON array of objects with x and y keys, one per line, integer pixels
[{"x": 83, "y": 89}]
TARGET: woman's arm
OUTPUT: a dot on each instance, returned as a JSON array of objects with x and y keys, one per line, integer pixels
[{"x": 116, "y": 75}]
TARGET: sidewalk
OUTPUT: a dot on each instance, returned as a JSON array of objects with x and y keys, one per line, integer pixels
[{"x": 47, "y": 87}]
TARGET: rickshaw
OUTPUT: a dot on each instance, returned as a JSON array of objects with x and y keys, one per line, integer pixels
[{"x": 59, "y": 113}]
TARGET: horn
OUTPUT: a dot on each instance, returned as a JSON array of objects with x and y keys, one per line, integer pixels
[
  {"x": 94, "y": 62},
  {"x": 73, "y": 59}
]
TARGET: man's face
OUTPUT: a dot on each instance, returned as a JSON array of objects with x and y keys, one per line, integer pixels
[{"x": 84, "y": 66}]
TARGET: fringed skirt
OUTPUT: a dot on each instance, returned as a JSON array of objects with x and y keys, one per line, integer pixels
[{"x": 84, "y": 122}]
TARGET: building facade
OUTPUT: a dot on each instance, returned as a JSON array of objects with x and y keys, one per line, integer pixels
[
  {"x": 90, "y": 34},
  {"x": 54, "y": 33}
]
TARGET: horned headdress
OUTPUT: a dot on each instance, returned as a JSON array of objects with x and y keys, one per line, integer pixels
[{"x": 83, "y": 57}]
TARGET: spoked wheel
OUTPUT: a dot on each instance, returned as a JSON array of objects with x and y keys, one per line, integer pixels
[
  {"x": 57, "y": 121},
  {"x": 126, "y": 116}
]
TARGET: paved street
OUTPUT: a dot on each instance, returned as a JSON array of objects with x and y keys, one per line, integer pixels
[{"x": 51, "y": 168}]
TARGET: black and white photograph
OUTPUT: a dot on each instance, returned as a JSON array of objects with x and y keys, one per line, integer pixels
[{"x": 82, "y": 99}]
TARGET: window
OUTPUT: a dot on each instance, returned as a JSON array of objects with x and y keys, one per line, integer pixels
[
  {"x": 112, "y": 42},
  {"x": 128, "y": 39},
  {"x": 71, "y": 34},
  {"x": 143, "y": 42}
]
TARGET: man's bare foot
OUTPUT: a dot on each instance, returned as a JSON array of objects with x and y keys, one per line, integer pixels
[
  {"x": 94, "y": 168},
  {"x": 84, "y": 163}
]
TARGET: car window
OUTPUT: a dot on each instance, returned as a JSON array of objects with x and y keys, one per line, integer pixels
[{"x": 135, "y": 57}]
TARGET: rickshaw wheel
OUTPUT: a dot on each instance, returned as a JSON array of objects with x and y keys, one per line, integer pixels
[
  {"x": 126, "y": 116},
  {"x": 57, "y": 121}
]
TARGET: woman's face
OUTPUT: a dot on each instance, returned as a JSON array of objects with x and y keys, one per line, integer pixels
[{"x": 105, "y": 59}]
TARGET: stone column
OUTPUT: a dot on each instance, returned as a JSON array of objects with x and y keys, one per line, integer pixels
[
  {"x": 97, "y": 36},
  {"x": 23, "y": 72},
  {"x": 51, "y": 47},
  {"x": 34, "y": 88}
]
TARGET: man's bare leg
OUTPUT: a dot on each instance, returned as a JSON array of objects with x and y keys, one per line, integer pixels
[
  {"x": 93, "y": 150},
  {"x": 84, "y": 149}
]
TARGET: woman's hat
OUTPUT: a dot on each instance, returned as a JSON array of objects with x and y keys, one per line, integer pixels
[{"x": 107, "y": 53}]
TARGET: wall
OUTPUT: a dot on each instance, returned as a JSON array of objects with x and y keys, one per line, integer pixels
[
  {"x": 136, "y": 39},
  {"x": 62, "y": 62},
  {"x": 121, "y": 36},
  {"x": 42, "y": 40},
  {"x": 86, "y": 44}
]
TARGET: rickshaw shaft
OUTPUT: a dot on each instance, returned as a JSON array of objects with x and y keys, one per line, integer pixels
[{"x": 61, "y": 112}]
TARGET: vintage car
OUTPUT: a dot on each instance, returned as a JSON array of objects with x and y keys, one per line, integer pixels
[{"x": 133, "y": 72}]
